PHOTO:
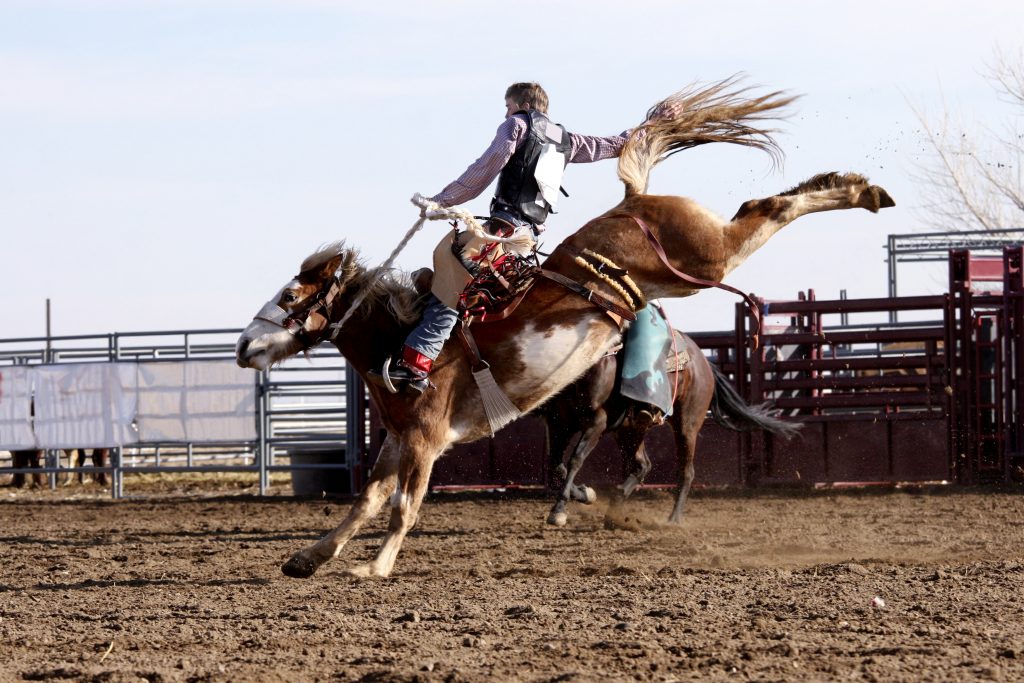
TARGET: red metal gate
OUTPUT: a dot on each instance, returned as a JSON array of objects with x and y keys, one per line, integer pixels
[{"x": 986, "y": 326}]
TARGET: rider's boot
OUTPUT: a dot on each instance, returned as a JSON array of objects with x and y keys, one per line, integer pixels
[{"x": 413, "y": 370}]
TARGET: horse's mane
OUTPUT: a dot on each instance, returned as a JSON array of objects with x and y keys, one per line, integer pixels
[
  {"x": 394, "y": 287},
  {"x": 720, "y": 112}
]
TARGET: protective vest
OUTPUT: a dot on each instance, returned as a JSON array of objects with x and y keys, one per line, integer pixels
[{"x": 530, "y": 183}]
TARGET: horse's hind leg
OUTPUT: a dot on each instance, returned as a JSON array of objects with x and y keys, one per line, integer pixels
[
  {"x": 686, "y": 448},
  {"x": 758, "y": 219},
  {"x": 691, "y": 409},
  {"x": 75, "y": 459},
  {"x": 382, "y": 481},
  {"x": 570, "y": 491},
  {"x": 99, "y": 459},
  {"x": 37, "y": 460}
]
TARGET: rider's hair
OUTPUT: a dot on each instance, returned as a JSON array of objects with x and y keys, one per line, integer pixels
[{"x": 528, "y": 93}]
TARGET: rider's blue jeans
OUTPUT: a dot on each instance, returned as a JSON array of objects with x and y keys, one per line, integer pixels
[{"x": 430, "y": 335}]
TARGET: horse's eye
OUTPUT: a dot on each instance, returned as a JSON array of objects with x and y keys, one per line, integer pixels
[{"x": 290, "y": 297}]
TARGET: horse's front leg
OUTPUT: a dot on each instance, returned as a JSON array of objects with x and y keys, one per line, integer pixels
[
  {"x": 382, "y": 481},
  {"x": 570, "y": 491},
  {"x": 417, "y": 461}
]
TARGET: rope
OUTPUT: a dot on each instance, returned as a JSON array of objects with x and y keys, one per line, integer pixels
[
  {"x": 633, "y": 299},
  {"x": 429, "y": 210},
  {"x": 626, "y": 279},
  {"x": 608, "y": 280}
]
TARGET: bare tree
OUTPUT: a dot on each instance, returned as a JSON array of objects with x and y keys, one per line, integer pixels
[{"x": 974, "y": 179}]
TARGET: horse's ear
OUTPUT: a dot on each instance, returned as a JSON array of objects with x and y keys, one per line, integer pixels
[{"x": 341, "y": 264}]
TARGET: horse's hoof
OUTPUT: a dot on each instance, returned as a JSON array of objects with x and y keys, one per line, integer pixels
[
  {"x": 363, "y": 571},
  {"x": 299, "y": 567},
  {"x": 558, "y": 519},
  {"x": 589, "y": 495}
]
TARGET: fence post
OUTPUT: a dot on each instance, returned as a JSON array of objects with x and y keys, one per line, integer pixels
[
  {"x": 116, "y": 476},
  {"x": 1013, "y": 359},
  {"x": 355, "y": 425},
  {"x": 261, "y": 434}
]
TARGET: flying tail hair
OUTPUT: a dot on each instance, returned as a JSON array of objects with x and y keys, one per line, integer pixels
[
  {"x": 730, "y": 410},
  {"x": 721, "y": 112}
]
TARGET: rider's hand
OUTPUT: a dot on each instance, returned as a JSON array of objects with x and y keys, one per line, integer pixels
[{"x": 666, "y": 110}]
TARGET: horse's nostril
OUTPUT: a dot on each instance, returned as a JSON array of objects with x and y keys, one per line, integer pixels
[{"x": 243, "y": 345}]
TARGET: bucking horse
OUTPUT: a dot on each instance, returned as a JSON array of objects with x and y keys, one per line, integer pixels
[{"x": 653, "y": 247}]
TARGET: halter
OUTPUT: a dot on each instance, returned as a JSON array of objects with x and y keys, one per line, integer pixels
[{"x": 295, "y": 322}]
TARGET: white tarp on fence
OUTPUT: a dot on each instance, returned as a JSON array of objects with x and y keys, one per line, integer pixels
[
  {"x": 95, "y": 405},
  {"x": 89, "y": 405},
  {"x": 199, "y": 401},
  {"x": 16, "y": 408}
]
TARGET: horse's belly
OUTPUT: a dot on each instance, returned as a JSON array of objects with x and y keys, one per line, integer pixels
[{"x": 552, "y": 358}]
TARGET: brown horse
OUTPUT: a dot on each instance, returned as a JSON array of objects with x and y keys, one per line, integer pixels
[
  {"x": 552, "y": 338},
  {"x": 591, "y": 405}
]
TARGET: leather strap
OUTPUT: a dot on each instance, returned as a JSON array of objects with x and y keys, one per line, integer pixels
[
  {"x": 755, "y": 311},
  {"x": 470, "y": 347},
  {"x": 505, "y": 312},
  {"x": 598, "y": 265},
  {"x": 594, "y": 297}
]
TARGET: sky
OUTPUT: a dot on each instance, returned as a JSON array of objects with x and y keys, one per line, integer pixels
[{"x": 167, "y": 165}]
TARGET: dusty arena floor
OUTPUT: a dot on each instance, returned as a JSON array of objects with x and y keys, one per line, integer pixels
[{"x": 765, "y": 586}]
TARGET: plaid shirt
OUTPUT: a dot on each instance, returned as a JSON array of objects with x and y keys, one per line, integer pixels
[{"x": 471, "y": 184}]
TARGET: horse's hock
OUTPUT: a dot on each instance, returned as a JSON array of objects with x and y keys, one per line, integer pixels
[{"x": 312, "y": 477}]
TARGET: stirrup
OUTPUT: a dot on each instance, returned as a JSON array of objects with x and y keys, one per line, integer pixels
[
  {"x": 651, "y": 417},
  {"x": 383, "y": 378}
]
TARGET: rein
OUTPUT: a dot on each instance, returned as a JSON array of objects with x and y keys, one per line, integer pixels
[
  {"x": 755, "y": 311},
  {"x": 295, "y": 322}
]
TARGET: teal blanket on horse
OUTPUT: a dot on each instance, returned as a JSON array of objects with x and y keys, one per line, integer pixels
[{"x": 644, "y": 368}]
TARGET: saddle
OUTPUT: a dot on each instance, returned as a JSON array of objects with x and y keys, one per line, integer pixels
[
  {"x": 500, "y": 283},
  {"x": 482, "y": 280}
]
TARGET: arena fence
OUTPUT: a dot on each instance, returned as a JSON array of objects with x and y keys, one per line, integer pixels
[
  {"x": 934, "y": 398},
  {"x": 154, "y": 401}
]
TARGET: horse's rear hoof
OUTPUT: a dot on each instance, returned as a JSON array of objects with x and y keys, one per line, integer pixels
[
  {"x": 299, "y": 567},
  {"x": 875, "y": 198},
  {"x": 589, "y": 495},
  {"x": 885, "y": 201},
  {"x": 558, "y": 519}
]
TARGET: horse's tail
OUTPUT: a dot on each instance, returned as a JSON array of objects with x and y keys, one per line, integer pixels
[
  {"x": 730, "y": 410},
  {"x": 720, "y": 112}
]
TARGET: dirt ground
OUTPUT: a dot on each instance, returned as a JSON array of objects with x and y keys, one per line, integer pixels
[{"x": 764, "y": 586}]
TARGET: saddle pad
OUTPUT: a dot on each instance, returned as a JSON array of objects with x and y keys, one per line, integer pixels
[{"x": 644, "y": 360}]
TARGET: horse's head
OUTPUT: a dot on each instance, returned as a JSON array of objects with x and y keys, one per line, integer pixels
[{"x": 298, "y": 317}]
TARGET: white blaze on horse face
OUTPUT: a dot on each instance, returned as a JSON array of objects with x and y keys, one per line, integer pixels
[
  {"x": 263, "y": 343},
  {"x": 554, "y": 357}
]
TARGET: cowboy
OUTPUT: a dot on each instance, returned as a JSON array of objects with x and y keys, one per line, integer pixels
[{"x": 527, "y": 156}]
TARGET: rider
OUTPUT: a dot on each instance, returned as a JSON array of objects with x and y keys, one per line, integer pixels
[{"x": 527, "y": 156}]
